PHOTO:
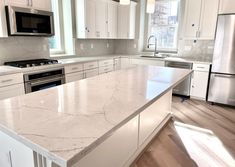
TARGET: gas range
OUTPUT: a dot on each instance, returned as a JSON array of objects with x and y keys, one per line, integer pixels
[{"x": 31, "y": 63}]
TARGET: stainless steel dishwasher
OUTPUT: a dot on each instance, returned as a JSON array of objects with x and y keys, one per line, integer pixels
[{"x": 184, "y": 87}]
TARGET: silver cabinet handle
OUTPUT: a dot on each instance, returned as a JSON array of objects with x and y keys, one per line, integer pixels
[
  {"x": 10, "y": 158},
  {"x": 8, "y": 80},
  {"x": 224, "y": 76},
  {"x": 75, "y": 68}
]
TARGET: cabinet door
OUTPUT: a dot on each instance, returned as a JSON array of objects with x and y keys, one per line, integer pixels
[
  {"x": 123, "y": 21},
  {"x": 3, "y": 27},
  {"x": 152, "y": 116},
  {"x": 91, "y": 73},
  {"x": 42, "y": 4},
  {"x": 11, "y": 91},
  {"x": 125, "y": 63},
  {"x": 227, "y": 6},
  {"x": 74, "y": 77},
  {"x": 192, "y": 18},
  {"x": 90, "y": 18},
  {"x": 208, "y": 19},
  {"x": 116, "y": 150},
  {"x": 101, "y": 18},
  {"x": 112, "y": 19},
  {"x": 199, "y": 84}
]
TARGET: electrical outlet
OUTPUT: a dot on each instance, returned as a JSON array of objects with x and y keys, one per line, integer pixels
[
  {"x": 81, "y": 46},
  {"x": 134, "y": 46},
  {"x": 92, "y": 45},
  {"x": 107, "y": 45},
  {"x": 45, "y": 47}
]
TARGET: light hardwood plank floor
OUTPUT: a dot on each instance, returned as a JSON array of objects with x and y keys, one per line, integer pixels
[{"x": 170, "y": 148}]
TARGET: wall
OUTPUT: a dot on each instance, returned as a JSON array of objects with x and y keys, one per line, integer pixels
[
  {"x": 83, "y": 47},
  {"x": 18, "y": 48}
]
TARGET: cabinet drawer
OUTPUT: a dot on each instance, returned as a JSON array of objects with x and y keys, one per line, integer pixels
[
  {"x": 90, "y": 65},
  {"x": 74, "y": 77},
  {"x": 91, "y": 73},
  {"x": 201, "y": 67},
  {"x": 106, "y": 62},
  {"x": 12, "y": 79},
  {"x": 11, "y": 91},
  {"x": 73, "y": 68},
  {"x": 105, "y": 69}
]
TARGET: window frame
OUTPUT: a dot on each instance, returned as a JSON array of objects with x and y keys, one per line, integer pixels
[
  {"x": 148, "y": 33},
  {"x": 60, "y": 19}
]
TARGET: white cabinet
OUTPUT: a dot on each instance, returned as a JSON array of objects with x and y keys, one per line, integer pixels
[
  {"x": 85, "y": 18},
  {"x": 11, "y": 85},
  {"x": 101, "y": 18},
  {"x": 160, "y": 63},
  {"x": 3, "y": 27},
  {"x": 91, "y": 73},
  {"x": 200, "y": 19},
  {"x": 36, "y": 4},
  {"x": 112, "y": 19},
  {"x": 152, "y": 116},
  {"x": 125, "y": 62},
  {"x": 117, "y": 64},
  {"x": 115, "y": 150},
  {"x": 126, "y": 21},
  {"x": 227, "y": 6},
  {"x": 199, "y": 82},
  {"x": 105, "y": 66},
  {"x": 72, "y": 77},
  {"x": 13, "y": 153}
]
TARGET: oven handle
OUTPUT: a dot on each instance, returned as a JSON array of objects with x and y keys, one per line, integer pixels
[{"x": 35, "y": 83}]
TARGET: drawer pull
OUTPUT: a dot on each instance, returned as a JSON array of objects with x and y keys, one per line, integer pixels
[
  {"x": 8, "y": 80},
  {"x": 10, "y": 158},
  {"x": 201, "y": 67}
]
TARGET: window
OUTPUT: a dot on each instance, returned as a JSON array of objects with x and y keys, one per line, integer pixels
[
  {"x": 56, "y": 42},
  {"x": 163, "y": 24}
]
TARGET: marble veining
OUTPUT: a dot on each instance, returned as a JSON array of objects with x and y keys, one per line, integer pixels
[{"x": 65, "y": 122}]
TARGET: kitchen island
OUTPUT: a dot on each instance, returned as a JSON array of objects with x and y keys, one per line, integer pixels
[{"x": 102, "y": 121}]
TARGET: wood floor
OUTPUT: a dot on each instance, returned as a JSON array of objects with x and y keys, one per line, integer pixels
[{"x": 194, "y": 148}]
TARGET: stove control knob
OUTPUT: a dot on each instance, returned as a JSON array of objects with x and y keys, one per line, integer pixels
[
  {"x": 33, "y": 65},
  {"x": 41, "y": 64},
  {"x": 27, "y": 65}
]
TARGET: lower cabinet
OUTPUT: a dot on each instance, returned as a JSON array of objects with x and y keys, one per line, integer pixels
[
  {"x": 152, "y": 116},
  {"x": 117, "y": 64},
  {"x": 148, "y": 62},
  {"x": 125, "y": 62},
  {"x": 91, "y": 73},
  {"x": 115, "y": 150},
  {"x": 199, "y": 84},
  {"x": 74, "y": 77},
  {"x": 105, "y": 69},
  {"x": 14, "y": 154},
  {"x": 11, "y": 91}
]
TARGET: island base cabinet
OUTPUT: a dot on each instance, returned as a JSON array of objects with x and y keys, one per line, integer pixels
[
  {"x": 115, "y": 150},
  {"x": 152, "y": 116},
  {"x": 15, "y": 154},
  {"x": 74, "y": 77}
]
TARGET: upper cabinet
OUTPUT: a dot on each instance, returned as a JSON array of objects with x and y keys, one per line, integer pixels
[
  {"x": 3, "y": 27},
  {"x": 112, "y": 19},
  {"x": 36, "y": 4},
  {"x": 200, "y": 19},
  {"x": 227, "y": 6},
  {"x": 126, "y": 21},
  {"x": 102, "y": 19}
]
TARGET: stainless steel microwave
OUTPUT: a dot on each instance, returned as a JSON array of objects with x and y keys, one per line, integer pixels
[{"x": 29, "y": 22}]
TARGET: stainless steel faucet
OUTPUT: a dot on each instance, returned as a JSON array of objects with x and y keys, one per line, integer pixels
[{"x": 149, "y": 44}]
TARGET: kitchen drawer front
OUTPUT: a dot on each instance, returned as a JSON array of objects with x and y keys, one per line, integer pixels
[
  {"x": 12, "y": 79},
  {"x": 73, "y": 68},
  {"x": 105, "y": 69},
  {"x": 91, "y": 65},
  {"x": 74, "y": 77},
  {"x": 201, "y": 67},
  {"x": 91, "y": 73},
  {"x": 106, "y": 63},
  {"x": 11, "y": 91}
]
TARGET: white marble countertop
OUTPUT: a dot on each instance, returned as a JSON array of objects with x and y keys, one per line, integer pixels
[
  {"x": 65, "y": 122},
  {"x": 5, "y": 70}
]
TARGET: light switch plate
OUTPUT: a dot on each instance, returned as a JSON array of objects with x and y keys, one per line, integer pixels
[
  {"x": 134, "y": 46},
  {"x": 92, "y": 45},
  {"x": 107, "y": 45}
]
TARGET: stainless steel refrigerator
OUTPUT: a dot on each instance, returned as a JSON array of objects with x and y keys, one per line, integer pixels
[{"x": 222, "y": 78}]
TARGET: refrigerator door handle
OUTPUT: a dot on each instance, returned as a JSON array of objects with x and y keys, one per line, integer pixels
[{"x": 224, "y": 76}]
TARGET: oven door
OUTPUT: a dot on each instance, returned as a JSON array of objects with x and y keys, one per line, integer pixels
[
  {"x": 24, "y": 21},
  {"x": 34, "y": 86}
]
